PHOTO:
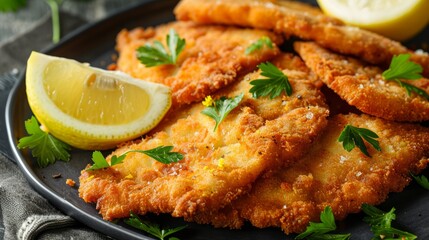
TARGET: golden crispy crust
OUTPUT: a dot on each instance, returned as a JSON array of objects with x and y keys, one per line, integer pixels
[
  {"x": 363, "y": 86},
  {"x": 330, "y": 176},
  {"x": 301, "y": 20},
  {"x": 219, "y": 166},
  {"x": 214, "y": 56}
]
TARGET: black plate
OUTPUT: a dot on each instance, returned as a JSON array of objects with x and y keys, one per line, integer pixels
[{"x": 95, "y": 44}]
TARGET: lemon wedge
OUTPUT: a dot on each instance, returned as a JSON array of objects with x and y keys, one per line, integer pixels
[
  {"x": 91, "y": 108},
  {"x": 397, "y": 19}
]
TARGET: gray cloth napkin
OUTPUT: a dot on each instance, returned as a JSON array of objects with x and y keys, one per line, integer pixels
[{"x": 24, "y": 214}]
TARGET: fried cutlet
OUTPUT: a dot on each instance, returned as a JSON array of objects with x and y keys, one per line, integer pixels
[
  {"x": 363, "y": 86},
  {"x": 214, "y": 56},
  {"x": 330, "y": 176},
  {"x": 218, "y": 166},
  {"x": 300, "y": 20}
]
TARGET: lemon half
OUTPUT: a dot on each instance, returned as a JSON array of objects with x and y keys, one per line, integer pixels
[
  {"x": 396, "y": 19},
  {"x": 91, "y": 108}
]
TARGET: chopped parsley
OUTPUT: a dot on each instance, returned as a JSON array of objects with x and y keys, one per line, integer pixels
[
  {"x": 275, "y": 83},
  {"x": 259, "y": 44},
  {"x": 44, "y": 147},
  {"x": 422, "y": 181},
  {"x": 352, "y": 136},
  {"x": 320, "y": 231},
  {"x": 152, "y": 228},
  {"x": 402, "y": 68},
  {"x": 161, "y": 154},
  {"x": 156, "y": 54},
  {"x": 219, "y": 109},
  {"x": 100, "y": 161},
  {"x": 380, "y": 223}
]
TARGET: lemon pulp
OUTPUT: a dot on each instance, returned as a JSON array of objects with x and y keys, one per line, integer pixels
[
  {"x": 396, "y": 19},
  {"x": 93, "y": 97}
]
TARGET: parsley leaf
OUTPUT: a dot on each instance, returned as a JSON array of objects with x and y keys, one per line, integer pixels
[
  {"x": 411, "y": 88},
  {"x": 352, "y": 136},
  {"x": 221, "y": 108},
  {"x": 401, "y": 68},
  {"x": 381, "y": 222},
  {"x": 259, "y": 44},
  {"x": 422, "y": 181},
  {"x": 376, "y": 217},
  {"x": 156, "y": 54},
  {"x": 320, "y": 230},
  {"x": 11, "y": 5},
  {"x": 101, "y": 162},
  {"x": 175, "y": 44},
  {"x": 44, "y": 147},
  {"x": 152, "y": 228},
  {"x": 382, "y": 233},
  {"x": 273, "y": 85},
  {"x": 161, "y": 154}
]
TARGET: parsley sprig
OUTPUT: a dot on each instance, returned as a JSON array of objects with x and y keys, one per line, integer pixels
[
  {"x": 273, "y": 85},
  {"x": 55, "y": 5},
  {"x": 219, "y": 109},
  {"x": 352, "y": 136},
  {"x": 152, "y": 228},
  {"x": 402, "y": 68},
  {"x": 100, "y": 161},
  {"x": 11, "y": 5},
  {"x": 422, "y": 181},
  {"x": 259, "y": 44},
  {"x": 161, "y": 154},
  {"x": 381, "y": 224},
  {"x": 320, "y": 231},
  {"x": 44, "y": 147},
  {"x": 156, "y": 54}
]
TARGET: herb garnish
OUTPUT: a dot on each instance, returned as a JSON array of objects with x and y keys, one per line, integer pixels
[
  {"x": 54, "y": 5},
  {"x": 380, "y": 223},
  {"x": 161, "y": 154},
  {"x": 320, "y": 231},
  {"x": 156, "y": 54},
  {"x": 401, "y": 68},
  {"x": 100, "y": 161},
  {"x": 44, "y": 147},
  {"x": 152, "y": 228},
  {"x": 422, "y": 181},
  {"x": 219, "y": 109},
  {"x": 273, "y": 85},
  {"x": 261, "y": 42},
  {"x": 11, "y": 5},
  {"x": 352, "y": 136}
]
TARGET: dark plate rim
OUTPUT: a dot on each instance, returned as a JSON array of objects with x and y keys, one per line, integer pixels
[{"x": 88, "y": 219}]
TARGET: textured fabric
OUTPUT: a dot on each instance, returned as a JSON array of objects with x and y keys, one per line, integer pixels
[
  {"x": 35, "y": 224},
  {"x": 24, "y": 214}
]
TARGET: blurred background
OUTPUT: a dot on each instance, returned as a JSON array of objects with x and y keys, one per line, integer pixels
[{"x": 26, "y": 25}]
